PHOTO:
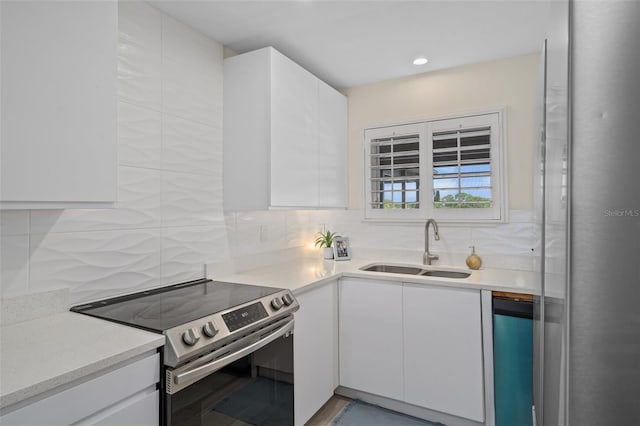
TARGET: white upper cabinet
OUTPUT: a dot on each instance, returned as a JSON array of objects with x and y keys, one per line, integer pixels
[
  {"x": 285, "y": 136},
  {"x": 59, "y": 118},
  {"x": 332, "y": 146},
  {"x": 294, "y": 134}
]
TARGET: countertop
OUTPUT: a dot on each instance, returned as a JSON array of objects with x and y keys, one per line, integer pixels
[
  {"x": 300, "y": 275},
  {"x": 43, "y": 354}
]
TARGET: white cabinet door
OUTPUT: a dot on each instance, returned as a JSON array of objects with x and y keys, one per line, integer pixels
[
  {"x": 246, "y": 134},
  {"x": 59, "y": 107},
  {"x": 315, "y": 350},
  {"x": 370, "y": 324},
  {"x": 332, "y": 147},
  {"x": 294, "y": 129},
  {"x": 285, "y": 136},
  {"x": 443, "y": 350}
]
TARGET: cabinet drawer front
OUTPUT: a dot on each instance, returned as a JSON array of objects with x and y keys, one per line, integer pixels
[
  {"x": 85, "y": 399},
  {"x": 143, "y": 409}
]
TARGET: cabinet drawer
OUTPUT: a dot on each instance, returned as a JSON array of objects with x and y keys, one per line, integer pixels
[
  {"x": 140, "y": 410},
  {"x": 85, "y": 399}
]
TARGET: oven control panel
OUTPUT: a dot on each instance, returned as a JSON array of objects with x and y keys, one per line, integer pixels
[
  {"x": 205, "y": 334},
  {"x": 244, "y": 316}
]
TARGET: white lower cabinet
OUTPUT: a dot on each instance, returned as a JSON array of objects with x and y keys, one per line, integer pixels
[
  {"x": 419, "y": 344},
  {"x": 127, "y": 395},
  {"x": 371, "y": 336},
  {"x": 315, "y": 350},
  {"x": 443, "y": 365}
]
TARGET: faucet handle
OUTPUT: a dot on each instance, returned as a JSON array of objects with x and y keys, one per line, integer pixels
[{"x": 428, "y": 257}]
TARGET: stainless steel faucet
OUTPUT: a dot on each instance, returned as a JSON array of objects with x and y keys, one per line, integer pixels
[{"x": 428, "y": 257}]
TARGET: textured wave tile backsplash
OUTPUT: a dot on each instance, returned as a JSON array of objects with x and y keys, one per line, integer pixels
[
  {"x": 140, "y": 55},
  {"x": 92, "y": 264},
  {"x": 185, "y": 251},
  {"x": 190, "y": 147},
  {"x": 139, "y": 136},
  {"x": 139, "y": 206}
]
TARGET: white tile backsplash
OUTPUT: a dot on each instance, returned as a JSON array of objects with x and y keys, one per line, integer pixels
[
  {"x": 14, "y": 265},
  {"x": 140, "y": 54},
  {"x": 185, "y": 250},
  {"x": 92, "y": 264},
  {"x": 190, "y": 200},
  {"x": 191, "y": 147},
  {"x": 139, "y": 76},
  {"x": 140, "y": 24},
  {"x": 139, "y": 136},
  {"x": 139, "y": 206},
  {"x": 195, "y": 96}
]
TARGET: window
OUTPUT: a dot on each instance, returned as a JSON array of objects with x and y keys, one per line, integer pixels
[{"x": 449, "y": 169}]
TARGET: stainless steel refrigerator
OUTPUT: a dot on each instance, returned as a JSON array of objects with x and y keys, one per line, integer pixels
[{"x": 587, "y": 333}]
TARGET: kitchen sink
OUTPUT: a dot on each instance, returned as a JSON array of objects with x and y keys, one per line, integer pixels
[
  {"x": 413, "y": 270},
  {"x": 393, "y": 269},
  {"x": 446, "y": 274}
]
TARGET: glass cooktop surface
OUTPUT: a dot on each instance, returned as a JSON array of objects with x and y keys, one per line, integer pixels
[{"x": 167, "y": 307}]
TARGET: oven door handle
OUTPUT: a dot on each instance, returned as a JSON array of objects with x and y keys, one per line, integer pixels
[{"x": 213, "y": 366}]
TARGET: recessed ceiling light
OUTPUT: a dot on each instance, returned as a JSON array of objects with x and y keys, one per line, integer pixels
[{"x": 420, "y": 61}]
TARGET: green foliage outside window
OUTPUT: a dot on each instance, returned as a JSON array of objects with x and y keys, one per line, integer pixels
[{"x": 461, "y": 201}]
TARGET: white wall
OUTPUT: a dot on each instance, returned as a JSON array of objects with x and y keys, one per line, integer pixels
[{"x": 510, "y": 83}]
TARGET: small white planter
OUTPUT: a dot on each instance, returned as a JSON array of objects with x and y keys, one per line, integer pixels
[{"x": 327, "y": 252}]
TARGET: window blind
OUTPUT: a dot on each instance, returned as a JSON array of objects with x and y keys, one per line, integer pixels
[
  {"x": 395, "y": 172},
  {"x": 462, "y": 168}
]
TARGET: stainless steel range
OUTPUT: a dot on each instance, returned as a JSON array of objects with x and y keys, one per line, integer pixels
[{"x": 228, "y": 356}]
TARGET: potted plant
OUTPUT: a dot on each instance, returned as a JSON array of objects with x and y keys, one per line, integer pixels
[{"x": 325, "y": 240}]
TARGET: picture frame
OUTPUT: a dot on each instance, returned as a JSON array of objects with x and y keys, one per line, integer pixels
[{"x": 341, "y": 249}]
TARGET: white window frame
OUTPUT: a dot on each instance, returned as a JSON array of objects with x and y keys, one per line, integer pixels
[
  {"x": 393, "y": 131},
  {"x": 498, "y": 213}
]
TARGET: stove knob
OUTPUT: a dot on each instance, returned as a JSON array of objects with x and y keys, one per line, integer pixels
[
  {"x": 190, "y": 337},
  {"x": 276, "y": 303},
  {"x": 209, "y": 329},
  {"x": 287, "y": 299}
]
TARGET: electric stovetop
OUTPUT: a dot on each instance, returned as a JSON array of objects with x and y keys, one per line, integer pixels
[{"x": 164, "y": 308}]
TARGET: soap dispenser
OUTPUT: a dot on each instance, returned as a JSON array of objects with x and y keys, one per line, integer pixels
[{"x": 473, "y": 260}]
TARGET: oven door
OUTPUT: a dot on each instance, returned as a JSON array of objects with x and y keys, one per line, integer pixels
[{"x": 249, "y": 382}]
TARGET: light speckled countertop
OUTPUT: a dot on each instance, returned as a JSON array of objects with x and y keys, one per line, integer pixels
[
  {"x": 42, "y": 354},
  {"x": 299, "y": 275}
]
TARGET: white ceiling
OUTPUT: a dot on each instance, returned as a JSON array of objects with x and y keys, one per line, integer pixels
[{"x": 351, "y": 43}]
